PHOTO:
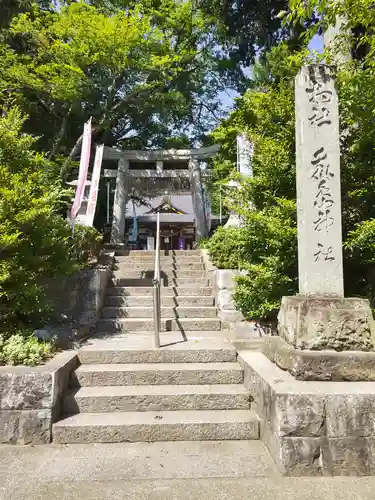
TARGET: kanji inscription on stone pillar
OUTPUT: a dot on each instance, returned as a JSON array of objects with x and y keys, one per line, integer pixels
[{"x": 320, "y": 265}]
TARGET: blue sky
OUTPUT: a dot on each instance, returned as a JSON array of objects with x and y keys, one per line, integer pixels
[
  {"x": 228, "y": 96},
  {"x": 317, "y": 43}
]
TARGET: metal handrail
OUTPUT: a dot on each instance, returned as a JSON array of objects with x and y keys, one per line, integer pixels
[{"x": 156, "y": 285}]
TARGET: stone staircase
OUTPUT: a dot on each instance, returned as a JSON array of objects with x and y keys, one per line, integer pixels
[
  {"x": 187, "y": 301},
  {"x": 189, "y": 389}
]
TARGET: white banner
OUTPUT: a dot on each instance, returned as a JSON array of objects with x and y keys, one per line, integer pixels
[
  {"x": 150, "y": 243},
  {"x": 94, "y": 188},
  {"x": 83, "y": 168},
  {"x": 207, "y": 207},
  {"x": 245, "y": 150}
]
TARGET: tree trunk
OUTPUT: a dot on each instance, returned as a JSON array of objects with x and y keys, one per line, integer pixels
[
  {"x": 60, "y": 135},
  {"x": 73, "y": 153}
]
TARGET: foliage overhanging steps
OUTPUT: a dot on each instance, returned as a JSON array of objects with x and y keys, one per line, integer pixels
[{"x": 126, "y": 390}]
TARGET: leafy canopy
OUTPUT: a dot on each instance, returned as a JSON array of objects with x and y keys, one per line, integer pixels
[{"x": 143, "y": 73}]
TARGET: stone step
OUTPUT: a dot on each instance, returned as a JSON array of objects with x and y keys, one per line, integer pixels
[
  {"x": 163, "y": 253},
  {"x": 198, "y": 348},
  {"x": 170, "y": 470},
  {"x": 143, "y": 270},
  {"x": 146, "y": 301},
  {"x": 187, "y": 281},
  {"x": 130, "y": 282},
  {"x": 167, "y": 325},
  {"x": 163, "y": 260},
  {"x": 166, "y": 312},
  {"x": 151, "y": 426},
  {"x": 157, "y": 374},
  {"x": 166, "y": 266},
  {"x": 182, "y": 291},
  {"x": 150, "y": 263},
  {"x": 135, "y": 281},
  {"x": 156, "y": 398},
  {"x": 128, "y": 273},
  {"x": 248, "y": 344}
]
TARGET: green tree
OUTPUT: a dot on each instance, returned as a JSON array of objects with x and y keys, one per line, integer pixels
[
  {"x": 10, "y": 8},
  {"x": 246, "y": 31},
  {"x": 143, "y": 74},
  {"x": 357, "y": 18},
  {"x": 265, "y": 244},
  {"x": 266, "y": 114}
]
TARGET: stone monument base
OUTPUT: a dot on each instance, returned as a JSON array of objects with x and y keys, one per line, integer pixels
[
  {"x": 312, "y": 428},
  {"x": 320, "y": 365},
  {"x": 325, "y": 338}
]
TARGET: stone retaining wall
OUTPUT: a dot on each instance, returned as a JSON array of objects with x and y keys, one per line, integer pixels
[
  {"x": 30, "y": 399},
  {"x": 78, "y": 301},
  {"x": 224, "y": 283},
  {"x": 312, "y": 428}
]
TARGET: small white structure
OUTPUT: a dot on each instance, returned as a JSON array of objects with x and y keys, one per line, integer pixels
[{"x": 81, "y": 216}]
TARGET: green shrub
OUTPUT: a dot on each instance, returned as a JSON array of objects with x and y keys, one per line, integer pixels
[
  {"x": 86, "y": 244},
  {"x": 258, "y": 293},
  {"x": 36, "y": 243},
  {"x": 265, "y": 246},
  {"x": 24, "y": 349},
  {"x": 228, "y": 247},
  {"x": 361, "y": 241}
]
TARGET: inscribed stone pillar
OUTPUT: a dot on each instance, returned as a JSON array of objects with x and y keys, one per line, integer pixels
[
  {"x": 195, "y": 175},
  {"x": 320, "y": 318},
  {"x": 320, "y": 265},
  {"x": 119, "y": 204}
]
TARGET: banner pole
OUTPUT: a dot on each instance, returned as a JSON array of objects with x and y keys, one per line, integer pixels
[{"x": 108, "y": 195}]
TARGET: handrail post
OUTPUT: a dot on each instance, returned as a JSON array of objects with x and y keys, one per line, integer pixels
[{"x": 156, "y": 286}]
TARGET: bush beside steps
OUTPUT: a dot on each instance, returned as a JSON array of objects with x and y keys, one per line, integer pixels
[{"x": 22, "y": 348}]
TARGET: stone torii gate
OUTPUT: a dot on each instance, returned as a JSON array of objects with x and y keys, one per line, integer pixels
[{"x": 133, "y": 164}]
